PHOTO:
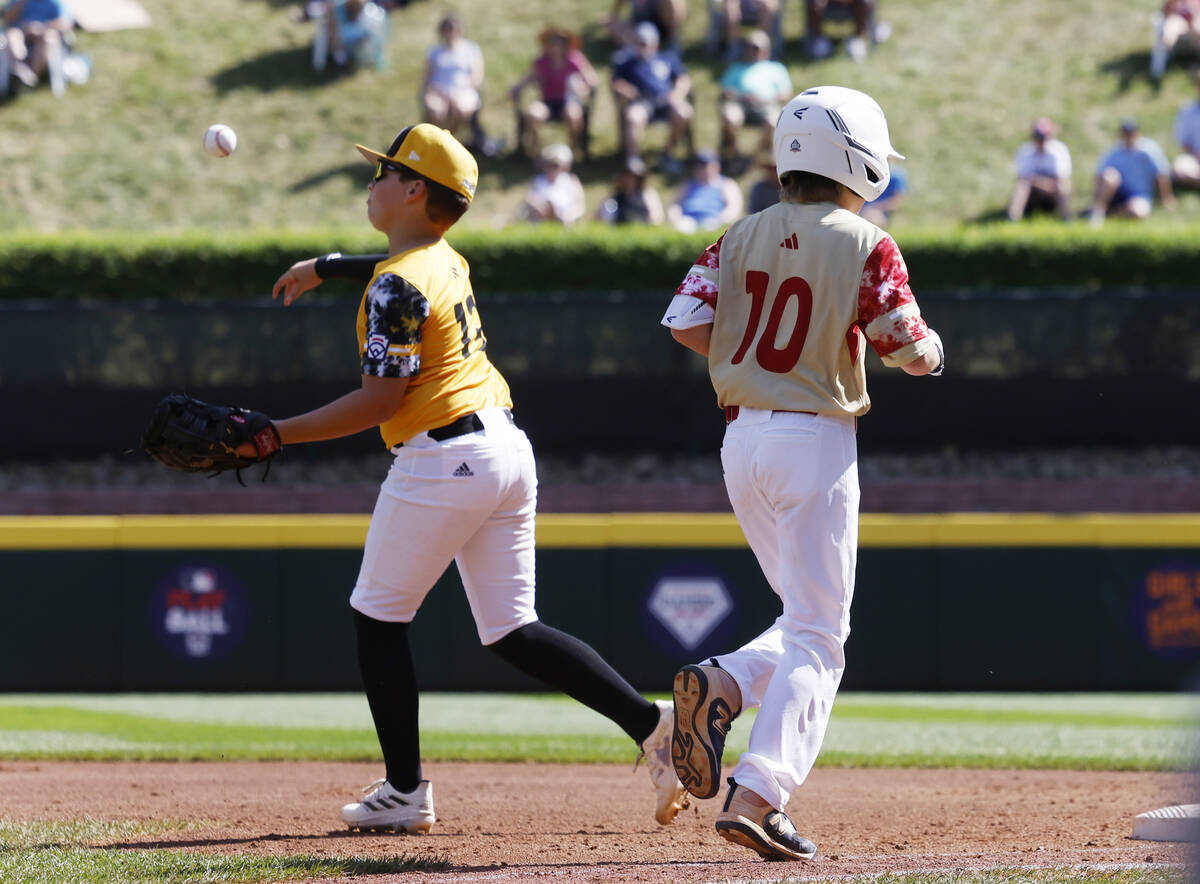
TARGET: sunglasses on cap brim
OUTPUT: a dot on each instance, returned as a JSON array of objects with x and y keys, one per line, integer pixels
[{"x": 382, "y": 167}]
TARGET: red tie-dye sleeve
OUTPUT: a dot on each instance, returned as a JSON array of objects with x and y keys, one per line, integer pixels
[
  {"x": 887, "y": 311},
  {"x": 701, "y": 280}
]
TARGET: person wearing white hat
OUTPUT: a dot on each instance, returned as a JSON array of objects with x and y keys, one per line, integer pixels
[{"x": 555, "y": 194}]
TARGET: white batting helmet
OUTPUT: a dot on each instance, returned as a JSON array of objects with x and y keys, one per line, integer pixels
[{"x": 839, "y": 133}]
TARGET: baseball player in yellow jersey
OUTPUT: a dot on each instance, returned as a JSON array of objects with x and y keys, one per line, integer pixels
[
  {"x": 780, "y": 305},
  {"x": 462, "y": 488}
]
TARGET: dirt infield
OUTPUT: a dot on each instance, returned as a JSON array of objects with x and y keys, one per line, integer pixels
[{"x": 593, "y": 823}]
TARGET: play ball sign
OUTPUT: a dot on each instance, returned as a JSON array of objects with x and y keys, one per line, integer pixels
[{"x": 199, "y": 612}]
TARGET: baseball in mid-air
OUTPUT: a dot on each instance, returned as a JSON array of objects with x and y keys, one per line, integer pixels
[{"x": 220, "y": 140}]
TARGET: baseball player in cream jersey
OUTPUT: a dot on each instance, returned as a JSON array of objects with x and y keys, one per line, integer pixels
[
  {"x": 782, "y": 305},
  {"x": 462, "y": 487}
]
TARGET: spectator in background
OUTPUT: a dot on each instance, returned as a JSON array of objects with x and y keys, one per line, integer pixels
[
  {"x": 820, "y": 46},
  {"x": 1186, "y": 168},
  {"x": 1043, "y": 174},
  {"x": 34, "y": 30},
  {"x": 752, "y": 93},
  {"x": 708, "y": 200},
  {"x": 651, "y": 86},
  {"x": 764, "y": 193},
  {"x": 633, "y": 201},
  {"x": 1127, "y": 175},
  {"x": 351, "y": 30},
  {"x": 762, "y": 14},
  {"x": 566, "y": 80},
  {"x": 453, "y": 77},
  {"x": 555, "y": 194},
  {"x": 1178, "y": 22},
  {"x": 666, "y": 15},
  {"x": 879, "y": 210}
]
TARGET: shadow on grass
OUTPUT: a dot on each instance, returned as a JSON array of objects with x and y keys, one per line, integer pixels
[
  {"x": 185, "y": 844},
  {"x": 358, "y": 173},
  {"x": 1131, "y": 68},
  {"x": 990, "y": 216},
  {"x": 278, "y": 69}
]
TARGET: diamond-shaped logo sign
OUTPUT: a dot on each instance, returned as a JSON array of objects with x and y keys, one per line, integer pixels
[{"x": 690, "y": 607}]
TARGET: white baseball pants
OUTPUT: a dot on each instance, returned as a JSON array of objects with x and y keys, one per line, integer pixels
[
  {"x": 793, "y": 482},
  {"x": 471, "y": 499}
]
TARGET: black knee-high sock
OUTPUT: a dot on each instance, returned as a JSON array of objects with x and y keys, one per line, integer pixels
[
  {"x": 564, "y": 662},
  {"x": 385, "y": 661}
]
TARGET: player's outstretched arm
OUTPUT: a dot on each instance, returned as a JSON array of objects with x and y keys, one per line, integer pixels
[
  {"x": 368, "y": 406},
  {"x": 306, "y": 275},
  {"x": 296, "y": 280}
]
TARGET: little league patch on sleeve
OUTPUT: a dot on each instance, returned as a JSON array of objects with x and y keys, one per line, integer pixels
[{"x": 377, "y": 346}]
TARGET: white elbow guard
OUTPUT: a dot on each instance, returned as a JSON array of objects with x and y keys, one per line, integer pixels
[{"x": 941, "y": 351}]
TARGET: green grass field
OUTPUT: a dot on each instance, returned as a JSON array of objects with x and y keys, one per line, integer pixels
[
  {"x": 1088, "y": 731},
  {"x": 961, "y": 83}
]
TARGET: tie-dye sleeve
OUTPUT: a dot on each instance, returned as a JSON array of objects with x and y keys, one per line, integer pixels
[
  {"x": 887, "y": 311},
  {"x": 396, "y": 310},
  {"x": 695, "y": 300}
]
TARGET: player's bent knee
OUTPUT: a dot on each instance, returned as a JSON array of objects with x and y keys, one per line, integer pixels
[{"x": 511, "y": 641}]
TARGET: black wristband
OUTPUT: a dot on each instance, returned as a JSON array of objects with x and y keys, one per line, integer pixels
[{"x": 335, "y": 265}]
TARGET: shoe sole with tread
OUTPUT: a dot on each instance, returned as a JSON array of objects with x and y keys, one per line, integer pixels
[
  {"x": 746, "y": 834},
  {"x": 697, "y": 764}
]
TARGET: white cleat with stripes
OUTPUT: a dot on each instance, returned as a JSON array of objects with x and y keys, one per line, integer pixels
[{"x": 388, "y": 809}]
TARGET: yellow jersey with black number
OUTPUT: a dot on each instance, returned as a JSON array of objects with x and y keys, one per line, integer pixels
[{"x": 418, "y": 320}]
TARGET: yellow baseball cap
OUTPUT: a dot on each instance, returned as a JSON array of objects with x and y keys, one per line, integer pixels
[{"x": 433, "y": 153}]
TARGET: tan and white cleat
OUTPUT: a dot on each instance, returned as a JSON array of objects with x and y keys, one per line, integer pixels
[
  {"x": 707, "y": 700},
  {"x": 670, "y": 794},
  {"x": 748, "y": 820}
]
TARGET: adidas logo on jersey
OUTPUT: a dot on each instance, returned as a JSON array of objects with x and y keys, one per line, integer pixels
[
  {"x": 463, "y": 470},
  {"x": 790, "y": 243}
]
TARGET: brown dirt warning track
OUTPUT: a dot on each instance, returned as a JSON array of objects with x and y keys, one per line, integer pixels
[{"x": 501, "y": 823}]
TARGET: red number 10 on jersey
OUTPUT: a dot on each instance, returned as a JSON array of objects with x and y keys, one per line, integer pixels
[{"x": 783, "y": 359}]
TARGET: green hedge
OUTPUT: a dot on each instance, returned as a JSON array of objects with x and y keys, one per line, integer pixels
[{"x": 202, "y": 265}]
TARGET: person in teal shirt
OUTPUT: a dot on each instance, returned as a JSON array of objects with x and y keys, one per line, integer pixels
[{"x": 752, "y": 92}]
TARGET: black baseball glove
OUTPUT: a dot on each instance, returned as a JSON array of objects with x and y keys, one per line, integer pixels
[{"x": 190, "y": 435}]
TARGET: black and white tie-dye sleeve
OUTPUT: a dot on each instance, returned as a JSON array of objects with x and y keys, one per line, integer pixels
[{"x": 396, "y": 310}]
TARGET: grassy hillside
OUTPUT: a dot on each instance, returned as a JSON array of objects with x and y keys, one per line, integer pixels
[{"x": 960, "y": 82}]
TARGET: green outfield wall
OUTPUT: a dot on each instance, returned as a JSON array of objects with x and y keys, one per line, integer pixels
[{"x": 954, "y": 602}]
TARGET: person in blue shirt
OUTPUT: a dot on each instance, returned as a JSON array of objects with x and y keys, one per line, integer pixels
[
  {"x": 707, "y": 200},
  {"x": 651, "y": 86},
  {"x": 1127, "y": 175},
  {"x": 32, "y": 28}
]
